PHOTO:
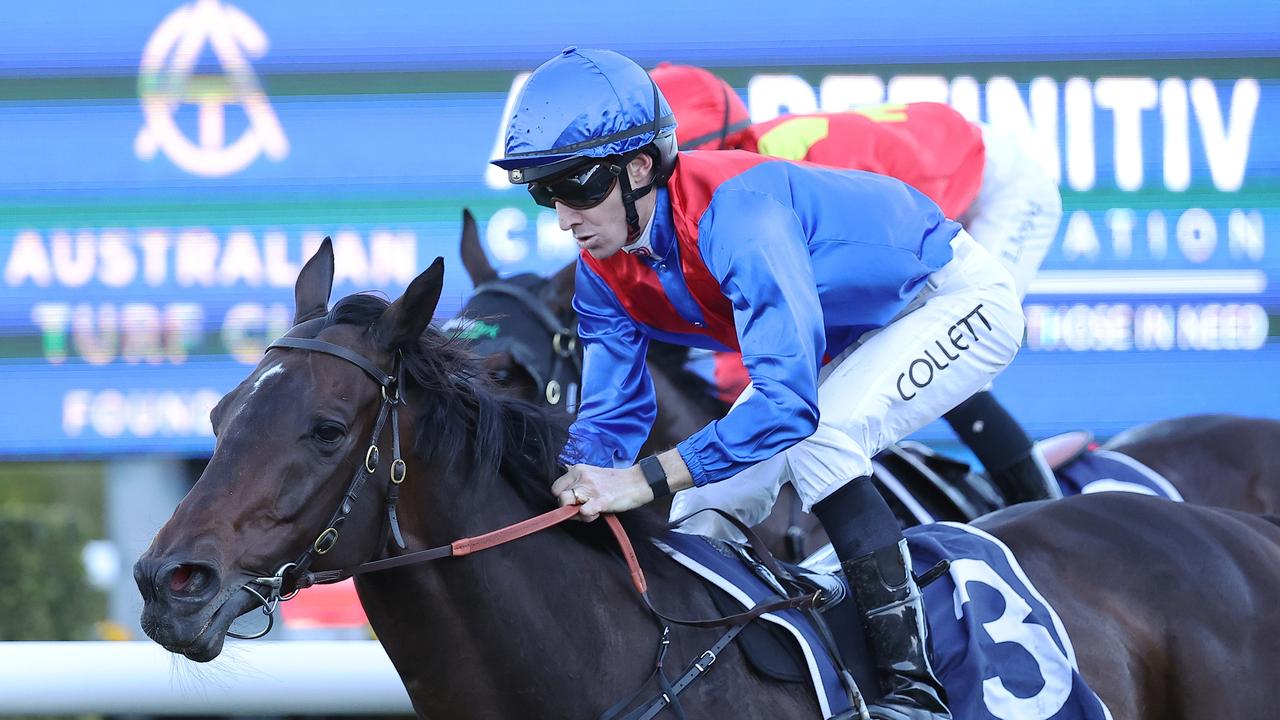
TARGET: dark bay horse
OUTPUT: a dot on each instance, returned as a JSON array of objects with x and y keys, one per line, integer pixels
[{"x": 1171, "y": 604}]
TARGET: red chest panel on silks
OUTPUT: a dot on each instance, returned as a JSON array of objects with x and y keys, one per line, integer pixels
[{"x": 695, "y": 180}]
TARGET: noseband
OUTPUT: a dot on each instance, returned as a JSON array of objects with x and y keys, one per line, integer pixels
[{"x": 274, "y": 585}]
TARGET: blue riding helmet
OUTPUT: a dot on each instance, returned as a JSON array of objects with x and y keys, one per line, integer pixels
[{"x": 582, "y": 105}]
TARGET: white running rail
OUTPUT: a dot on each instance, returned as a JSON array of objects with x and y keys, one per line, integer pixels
[{"x": 252, "y": 678}]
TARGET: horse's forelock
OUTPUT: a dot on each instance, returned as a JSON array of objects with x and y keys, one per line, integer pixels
[{"x": 358, "y": 309}]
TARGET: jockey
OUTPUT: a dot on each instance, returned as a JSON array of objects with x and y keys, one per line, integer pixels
[
  {"x": 860, "y": 311},
  {"x": 980, "y": 175}
]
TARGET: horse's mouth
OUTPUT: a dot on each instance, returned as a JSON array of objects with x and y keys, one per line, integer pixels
[{"x": 208, "y": 641}]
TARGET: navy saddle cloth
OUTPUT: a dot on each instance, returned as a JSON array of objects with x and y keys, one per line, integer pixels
[{"x": 998, "y": 647}]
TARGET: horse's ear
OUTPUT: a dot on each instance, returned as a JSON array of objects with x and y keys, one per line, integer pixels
[
  {"x": 473, "y": 257},
  {"x": 560, "y": 288},
  {"x": 405, "y": 320},
  {"x": 315, "y": 282}
]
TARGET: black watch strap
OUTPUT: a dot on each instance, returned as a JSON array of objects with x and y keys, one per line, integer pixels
[{"x": 655, "y": 476}]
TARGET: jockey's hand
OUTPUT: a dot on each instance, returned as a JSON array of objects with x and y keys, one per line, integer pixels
[
  {"x": 599, "y": 490},
  {"x": 608, "y": 490}
]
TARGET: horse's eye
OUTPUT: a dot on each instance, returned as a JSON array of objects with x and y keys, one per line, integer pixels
[{"x": 330, "y": 432}]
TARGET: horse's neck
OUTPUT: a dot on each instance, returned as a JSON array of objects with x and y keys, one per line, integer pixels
[{"x": 493, "y": 627}]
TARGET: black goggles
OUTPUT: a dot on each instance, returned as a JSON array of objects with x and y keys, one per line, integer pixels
[{"x": 582, "y": 188}]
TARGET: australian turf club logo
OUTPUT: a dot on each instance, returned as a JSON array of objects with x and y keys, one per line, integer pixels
[{"x": 168, "y": 81}]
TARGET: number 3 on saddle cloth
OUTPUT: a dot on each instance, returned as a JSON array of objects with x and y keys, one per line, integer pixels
[{"x": 998, "y": 647}]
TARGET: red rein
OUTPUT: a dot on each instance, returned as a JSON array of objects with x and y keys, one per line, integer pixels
[{"x": 466, "y": 546}]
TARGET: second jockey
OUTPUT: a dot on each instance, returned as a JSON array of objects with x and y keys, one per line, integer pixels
[
  {"x": 980, "y": 175},
  {"x": 860, "y": 311}
]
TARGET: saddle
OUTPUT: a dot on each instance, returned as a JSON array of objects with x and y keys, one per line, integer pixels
[
  {"x": 789, "y": 645},
  {"x": 922, "y": 486},
  {"x": 1038, "y": 678}
]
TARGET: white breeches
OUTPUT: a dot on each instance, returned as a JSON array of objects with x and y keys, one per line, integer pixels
[{"x": 958, "y": 334}]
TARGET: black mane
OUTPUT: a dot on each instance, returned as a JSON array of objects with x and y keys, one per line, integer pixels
[{"x": 467, "y": 417}]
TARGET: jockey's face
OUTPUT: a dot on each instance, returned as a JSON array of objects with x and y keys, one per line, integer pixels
[{"x": 602, "y": 230}]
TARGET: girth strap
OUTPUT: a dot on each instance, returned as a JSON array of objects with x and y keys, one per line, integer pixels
[{"x": 801, "y": 602}]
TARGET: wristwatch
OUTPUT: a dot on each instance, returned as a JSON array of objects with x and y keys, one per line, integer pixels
[{"x": 655, "y": 476}]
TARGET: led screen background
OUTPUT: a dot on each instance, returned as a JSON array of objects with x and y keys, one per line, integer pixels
[{"x": 168, "y": 166}]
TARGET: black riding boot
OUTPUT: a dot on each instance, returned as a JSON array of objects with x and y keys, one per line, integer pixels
[
  {"x": 873, "y": 555},
  {"x": 893, "y": 614},
  {"x": 1004, "y": 449},
  {"x": 1027, "y": 478}
]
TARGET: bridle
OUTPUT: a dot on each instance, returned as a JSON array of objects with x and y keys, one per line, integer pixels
[
  {"x": 296, "y": 575},
  {"x": 274, "y": 584},
  {"x": 293, "y": 576},
  {"x": 558, "y": 373},
  {"x": 288, "y": 579}
]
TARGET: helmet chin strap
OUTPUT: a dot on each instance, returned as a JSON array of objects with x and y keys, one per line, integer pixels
[{"x": 629, "y": 197}]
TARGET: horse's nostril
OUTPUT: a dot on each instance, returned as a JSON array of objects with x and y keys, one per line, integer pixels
[
  {"x": 178, "y": 580},
  {"x": 187, "y": 580}
]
